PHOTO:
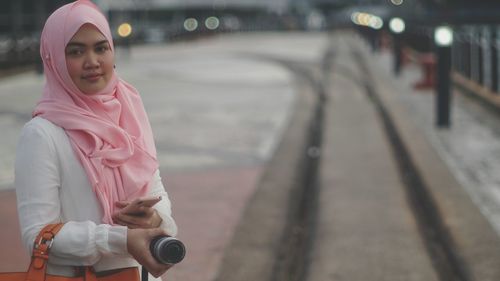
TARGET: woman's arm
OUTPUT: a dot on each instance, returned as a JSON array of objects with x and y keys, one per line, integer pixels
[
  {"x": 164, "y": 207},
  {"x": 159, "y": 215},
  {"x": 38, "y": 182},
  {"x": 138, "y": 246}
]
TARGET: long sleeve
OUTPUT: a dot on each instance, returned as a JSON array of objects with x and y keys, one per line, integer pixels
[
  {"x": 163, "y": 207},
  {"x": 38, "y": 179}
]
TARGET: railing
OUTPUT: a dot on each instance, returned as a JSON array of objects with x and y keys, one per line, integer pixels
[
  {"x": 475, "y": 55},
  {"x": 18, "y": 52},
  {"x": 475, "y": 58}
]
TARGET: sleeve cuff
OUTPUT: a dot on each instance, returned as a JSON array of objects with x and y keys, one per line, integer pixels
[
  {"x": 168, "y": 224},
  {"x": 112, "y": 239}
]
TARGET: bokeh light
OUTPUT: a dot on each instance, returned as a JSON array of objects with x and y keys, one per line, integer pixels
[
  {"x": 212, "y": 23},
  {"x": 443, "y": 36},
  {"x": 190, "y": 24},
  {"x": 125, "y": 29},
  {"x": 397, "y": 2},
  {"x": 369, "y": 20},
  {"x": 397, "y": 25}
]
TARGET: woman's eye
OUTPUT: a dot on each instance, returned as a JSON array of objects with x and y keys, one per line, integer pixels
[
  {"x": 74, "y": 52},
  {"x": 101, "y": 49}
]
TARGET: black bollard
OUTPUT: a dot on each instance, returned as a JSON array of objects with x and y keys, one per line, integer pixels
[
  {"x": 397, "y": 55},
  {"x": 443, "y": 97},
  {"x": 443, "y": 37}
]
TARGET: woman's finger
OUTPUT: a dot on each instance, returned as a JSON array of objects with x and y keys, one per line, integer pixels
[
  {"x": 127, "y": 224},
  {"x": 143, "y": 221},
  {"x": 134, "y": 221},
  {"x": 146, "y": 211},
  {"x": 129, "y": 219},
  {"x": 121, "y": 204}
]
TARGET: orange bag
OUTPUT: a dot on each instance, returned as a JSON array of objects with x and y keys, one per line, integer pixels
[{"x": 37, "y": 270}]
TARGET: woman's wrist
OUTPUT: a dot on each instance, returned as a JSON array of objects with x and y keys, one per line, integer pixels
[
  {"x": 111, "y": 239},
  {"x": 156, "y": 220}
]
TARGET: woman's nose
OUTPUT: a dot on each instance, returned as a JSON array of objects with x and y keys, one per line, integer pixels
[{"x": 91, "y": 60}]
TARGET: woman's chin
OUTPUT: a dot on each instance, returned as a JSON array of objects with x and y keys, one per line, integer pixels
[{"x": 92, "y": 88}]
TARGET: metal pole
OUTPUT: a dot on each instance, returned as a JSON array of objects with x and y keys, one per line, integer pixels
[
  {"x": 397, "y": 53},
  {"x": 40, "y": 20},
  {"x": 481, "y": 57},
  {"x": 494, "y": 59},
  {"x": 474, "y": 56},
  {"x": 468, "y": 56},
  {"x": 16, "y": 20},
  {"x": 443, "y": 97}
]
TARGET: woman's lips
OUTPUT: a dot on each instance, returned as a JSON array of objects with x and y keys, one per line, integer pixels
[{"x": 92, "y": 77}]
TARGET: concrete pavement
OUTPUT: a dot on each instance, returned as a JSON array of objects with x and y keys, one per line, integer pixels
[
  {"x": 375, "y": 219},
  {"x": 448, "y": 162},
  {"x": 365, "y": 228}
]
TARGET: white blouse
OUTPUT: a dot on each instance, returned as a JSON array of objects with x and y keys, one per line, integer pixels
[{"x": 52, "y": 186}]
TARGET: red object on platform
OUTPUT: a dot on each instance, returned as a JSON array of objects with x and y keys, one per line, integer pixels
[{"x": 428, "y": 63}]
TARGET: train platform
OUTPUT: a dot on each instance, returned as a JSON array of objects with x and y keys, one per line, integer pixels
[
  {"x": 386, "y": 202},
  {"x": 300, "y": 156}
]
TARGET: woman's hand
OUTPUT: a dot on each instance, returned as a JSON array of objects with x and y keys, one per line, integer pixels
[
  {"x": 138, "y": 241},
  {"x": 142, "y": 217}
]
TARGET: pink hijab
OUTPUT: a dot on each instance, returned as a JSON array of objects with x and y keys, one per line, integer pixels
[{"x": 109, "y": 131}]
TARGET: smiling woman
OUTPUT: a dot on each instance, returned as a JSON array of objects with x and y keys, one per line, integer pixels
[
  {"x": 87, "y": 154},
  {"x": 89, "y": 59}
]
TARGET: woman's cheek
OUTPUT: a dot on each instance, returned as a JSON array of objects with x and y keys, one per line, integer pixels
[{"x": 74, "y": 68}]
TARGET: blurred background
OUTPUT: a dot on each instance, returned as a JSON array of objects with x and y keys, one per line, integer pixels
[
  {"x": 156, "y": 21},
  {"x": 225, "y": 83}
]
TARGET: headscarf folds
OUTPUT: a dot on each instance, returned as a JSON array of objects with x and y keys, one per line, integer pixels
[{"x": 109, "y": 131}]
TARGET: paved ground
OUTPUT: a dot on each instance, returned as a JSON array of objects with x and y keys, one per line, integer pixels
[
  {"x": 365, "y": 226},
  {"x": 471, "y": 148},
  {"x": 368, "y": 224},
  {"x": 448, "y": 161}
]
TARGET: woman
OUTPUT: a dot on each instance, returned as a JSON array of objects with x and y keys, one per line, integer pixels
[{"x": 87, "y": 153}]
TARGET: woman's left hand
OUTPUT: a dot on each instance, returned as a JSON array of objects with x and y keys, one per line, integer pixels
[{"x": 146, "y": 217}]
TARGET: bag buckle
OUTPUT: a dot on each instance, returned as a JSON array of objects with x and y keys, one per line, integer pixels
[{"x": 44, "y": 240}]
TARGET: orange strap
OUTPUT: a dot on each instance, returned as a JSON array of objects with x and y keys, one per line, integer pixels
[{"x": 41, "y": 249}]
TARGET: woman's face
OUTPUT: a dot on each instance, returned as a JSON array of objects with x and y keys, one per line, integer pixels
[{"x": 89, "y": 60}]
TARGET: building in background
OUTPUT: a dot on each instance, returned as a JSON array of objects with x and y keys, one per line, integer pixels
[
  {"x": 20, "y": 24},
  {"x": 164, "y": 20},
  {"x": 154, "y": 21}
]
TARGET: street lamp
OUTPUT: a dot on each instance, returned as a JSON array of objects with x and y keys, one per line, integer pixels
[
  {"x": 397, "y": 27},
  {"x": 212, "y": 23},
  {"x": 397, "y": 2},
  {"x": 124, "y": 31},
  {"x": 443, "y": 38},
  {"x": 190, "y": 24}
]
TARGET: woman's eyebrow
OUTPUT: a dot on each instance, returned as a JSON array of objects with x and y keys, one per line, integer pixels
[
  {"x": 79, "y": 44},
  {"x": 101, "y": 42},
  {"x": 75, "y": 44}
]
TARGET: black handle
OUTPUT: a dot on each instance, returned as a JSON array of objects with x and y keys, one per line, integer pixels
[{"x": 145, "y": 274}]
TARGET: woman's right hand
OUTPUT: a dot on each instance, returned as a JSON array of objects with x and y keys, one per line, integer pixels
[{"x": 138, "y": 241}]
